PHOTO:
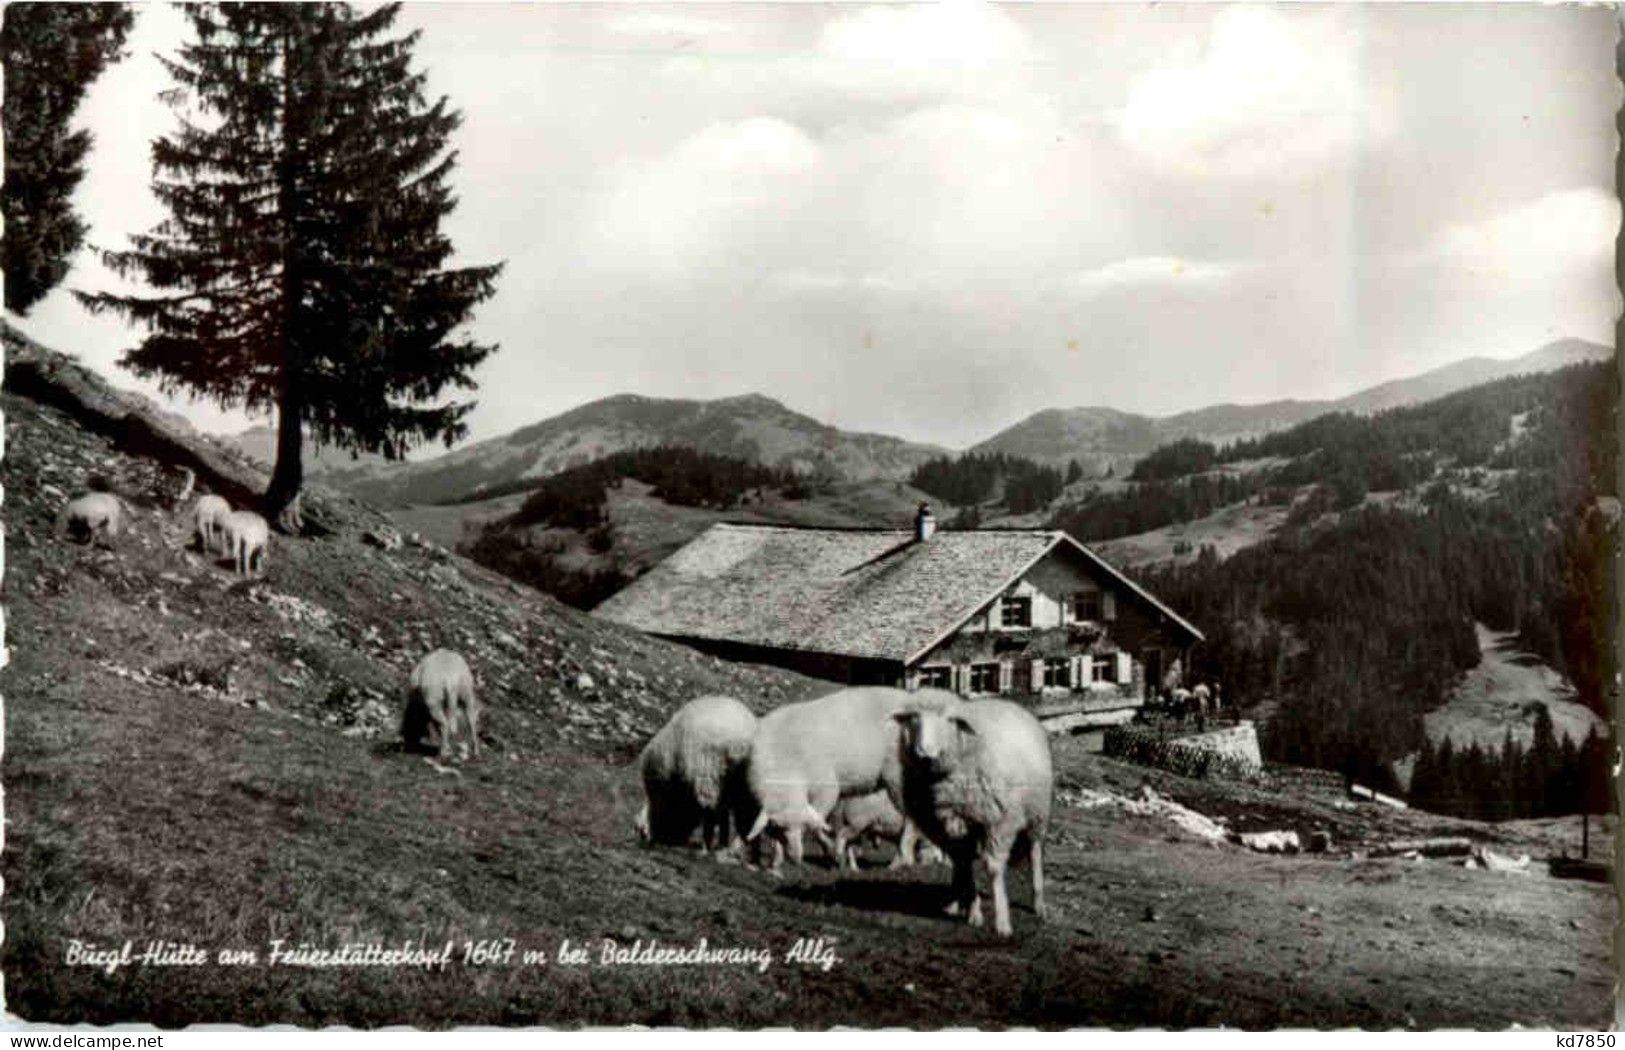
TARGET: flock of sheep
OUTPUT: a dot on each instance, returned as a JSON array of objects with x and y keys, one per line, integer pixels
[
  {"x": 972, "y": 780},
  {"x": 440, "y": 692},
  {"x": 241, "y": 534}
]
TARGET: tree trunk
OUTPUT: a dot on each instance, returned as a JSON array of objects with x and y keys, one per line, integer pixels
[{"x": 288, "y": 479}]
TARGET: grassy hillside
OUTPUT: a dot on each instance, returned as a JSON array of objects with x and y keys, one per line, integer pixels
[{"x": 194, "y": 758}]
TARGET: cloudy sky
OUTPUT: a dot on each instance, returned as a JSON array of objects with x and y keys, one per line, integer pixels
[{"x": 935, "y": 220}]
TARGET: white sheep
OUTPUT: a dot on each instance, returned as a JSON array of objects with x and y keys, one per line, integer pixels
[
  {"x": 206, "y": 518},
  {"x": 693, "y": 773},
  {"x": 96, "y": 515},
  {"x": 873, "y": 816},
  {"x": 806, "y": 757},
  {"x": 978, "y": 781},
  {"x": 439, "y": 694},
  {"x": 247, "y": 538}
]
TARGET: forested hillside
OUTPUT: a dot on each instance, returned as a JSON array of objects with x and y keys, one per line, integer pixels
[
  {"x": 1354, "y": 617},
  {"x": 1020, "y": 485}
]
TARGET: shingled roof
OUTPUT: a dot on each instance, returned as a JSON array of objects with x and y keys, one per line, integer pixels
[{"x": 872, "y": 593}]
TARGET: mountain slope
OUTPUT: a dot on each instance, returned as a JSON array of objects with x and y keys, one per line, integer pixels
[
  {"x": 750, "y": 427},
  {"x": 193, "y": 757},
  {"x": 1101, "y": 437},
  {"x": 259, "y": 444}
]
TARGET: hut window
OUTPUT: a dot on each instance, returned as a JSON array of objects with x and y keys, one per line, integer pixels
[
  {"x": 1104, "y": 668},
  {"x": 1086, "y": 605},
  {"x": 1057, "y": 671},
  {"x": 936, "y": 678},
  {"x": 1016, "y": 611},
  {"x": 984, "y": 678}
]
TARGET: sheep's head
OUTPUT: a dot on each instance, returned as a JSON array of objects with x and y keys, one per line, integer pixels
[
  {"x": 785, "y": 822},
  {"x": 933, "y": 739}
]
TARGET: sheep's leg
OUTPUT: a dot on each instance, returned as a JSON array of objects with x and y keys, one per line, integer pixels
[
  {"x": 792, "y": 838},
  {"x": 996, "y": 860},
  {"x": 964, "y": 890},
  {"x": 826, "y": 840},
  {"x": 442, "y": 728},
  {"x": 845, "y": 851},
  {"x": 907, "y": 846},
  {"x": 1036, "y": 858}
]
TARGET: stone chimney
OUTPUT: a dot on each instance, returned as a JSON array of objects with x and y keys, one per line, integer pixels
[{"x": 924, "y": 523}]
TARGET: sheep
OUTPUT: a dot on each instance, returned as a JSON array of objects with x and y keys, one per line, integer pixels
[
  {"x": 693, "y": 772},
  {"x": 874, "y": 816},
  {"x": 441, "y": 688},
  {"x": 247, "y": 539},
  {"x": 92, "y": 516},
  {"x": 978, "y": 782},
  {"x": 806, "y": 757},
  {"x": 206, "y": 516}
]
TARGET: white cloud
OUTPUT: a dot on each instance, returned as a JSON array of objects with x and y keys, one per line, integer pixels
[
  {"x": 1270, "y": 90},
  {"x": 666, "y": 24},
  {"x": 926, "y": 36},
  {"x": 1144, "y": 270},
  {"x": 679, "y": 210},
  {"x": 1557, "y": 233}
]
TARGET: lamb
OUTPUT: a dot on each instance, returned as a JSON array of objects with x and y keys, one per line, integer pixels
[
  {"x": 440, "y": 690},
  {"x": 808, "y": 756},
  {"x": 873, "y": 816},
  {"x": 978, "y": 781},
  {"x": 247, "y": 538},
  {"x": 92, "y": 516},
  {"x": 206, "y": 516},
  {"x": 693, "y": 773}
]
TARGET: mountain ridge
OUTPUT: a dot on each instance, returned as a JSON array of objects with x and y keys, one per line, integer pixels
[
  {"x": 1053, "y": 436},
  {"x": 758, "y": 427},
  {"x": 749, "y": 426}
]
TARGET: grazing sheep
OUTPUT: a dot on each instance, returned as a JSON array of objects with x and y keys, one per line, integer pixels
[
  {"x": 693, "y": 773},
  {"x": 441, "y": 688},
  {"x": 247, "y": 538},
  {"x": 806, "y": 757},
  {"x": 978, "y": 781},
  {"x": 857, "y": 817},
  {"x": 206, "y": 517},
  {"x": 96, "y": 515}
]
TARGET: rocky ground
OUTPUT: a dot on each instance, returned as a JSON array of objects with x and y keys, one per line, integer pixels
[{"x": 199, "y": 759}]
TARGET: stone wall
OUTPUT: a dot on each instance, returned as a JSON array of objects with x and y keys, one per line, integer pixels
[{"x": 1231, "y": 753}]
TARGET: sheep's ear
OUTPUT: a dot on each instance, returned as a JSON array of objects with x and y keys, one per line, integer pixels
[
  {"x": 962, "y": 724},
  {"x": 757, "y": 828}
]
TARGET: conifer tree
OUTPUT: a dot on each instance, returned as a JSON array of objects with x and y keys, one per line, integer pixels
[
  {"x": 52, "y": 53},
  {"x": 302, "y": 266}
]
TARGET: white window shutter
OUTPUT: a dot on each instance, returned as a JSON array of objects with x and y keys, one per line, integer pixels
[
  {"x": 1006, "y": 676},
  {"x": 1125, "y": 668},
  {"x": 1108, "y": 605},
  {"x": 961, "y": 678},
  {"x": 1038, "y": 674}
]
